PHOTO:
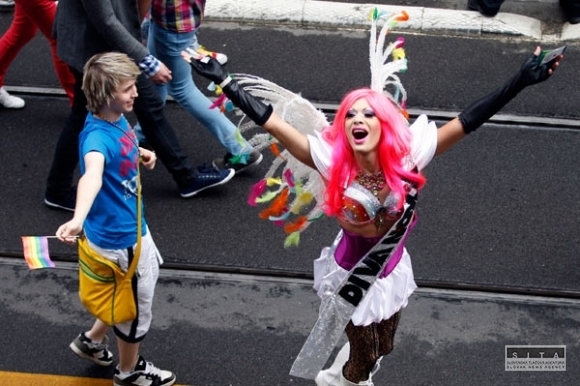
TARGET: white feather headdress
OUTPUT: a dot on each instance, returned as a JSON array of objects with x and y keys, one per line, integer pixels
[{"x": 293, "y": 191}]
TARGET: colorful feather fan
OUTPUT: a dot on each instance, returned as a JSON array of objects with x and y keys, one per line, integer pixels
[{"x": 293, "y": 192}]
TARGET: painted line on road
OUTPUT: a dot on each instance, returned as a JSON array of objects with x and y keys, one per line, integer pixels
[{"x": 26, "y": 379}]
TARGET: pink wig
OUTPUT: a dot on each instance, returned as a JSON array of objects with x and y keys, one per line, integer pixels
[{"x": 394, "y": 146}]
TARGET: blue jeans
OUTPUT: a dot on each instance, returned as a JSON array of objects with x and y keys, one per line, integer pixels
[{"x": 166, "y": 46}]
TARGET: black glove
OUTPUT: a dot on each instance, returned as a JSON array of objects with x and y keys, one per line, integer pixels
[
  {"x": 210, "y": 68},
  {"x": 481, "y": 110},
  {"x": 254, "y": 108}
]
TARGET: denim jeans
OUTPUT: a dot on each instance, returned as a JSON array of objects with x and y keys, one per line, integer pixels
[
  {"x": 158, "y": 132},
  {"x": 166, "y": 46}
]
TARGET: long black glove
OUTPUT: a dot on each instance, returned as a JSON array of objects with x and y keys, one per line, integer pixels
[
  {"x": 481, "y": 110},
  {"x": 255, "y": 109}
]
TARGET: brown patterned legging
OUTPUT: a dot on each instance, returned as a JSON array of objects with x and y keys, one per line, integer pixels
[{"x": 367, "y": 345}]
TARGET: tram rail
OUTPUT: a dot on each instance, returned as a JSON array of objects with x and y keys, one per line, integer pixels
[
  {"x": 532, "y": 122},
  {"x": 273, "y": 274},
  {"x": 257, "y": 274}
]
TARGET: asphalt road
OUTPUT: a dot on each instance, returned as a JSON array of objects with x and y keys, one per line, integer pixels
[
  {"x": 498, "y": 212},
  {"x": 485, "y": 204}
]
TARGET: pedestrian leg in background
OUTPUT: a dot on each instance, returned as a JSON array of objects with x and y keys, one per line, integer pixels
[
  {"x": 60, "y": 193},
  {"x": 571, "y": 9},
  {"x": 485, "y": 7},
  {"x": 159, "y": 134},
  {"x": 167, "y": 45},
  {"x": 21, "y": 31},
  {"x": 42, "y": 14},
  {"x": 29, "y": 17}
]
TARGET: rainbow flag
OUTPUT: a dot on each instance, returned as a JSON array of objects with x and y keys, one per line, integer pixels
[{"x": 36, "y": 252}]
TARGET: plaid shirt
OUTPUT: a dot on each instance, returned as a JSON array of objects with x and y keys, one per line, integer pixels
[
  {"x": 178, "y": 15},
  {"x": 150, "y": 65}
]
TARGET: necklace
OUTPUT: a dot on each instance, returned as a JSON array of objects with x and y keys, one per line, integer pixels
[
  {"x": 374, "y": 182},
  {"x": 129, "y": 133}
]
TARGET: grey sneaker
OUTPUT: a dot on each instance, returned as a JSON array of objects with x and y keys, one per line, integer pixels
[
  {"x": 145, "y": 374},
  {"x": 10, "y": 101},
  {"x": 96, "y": 352},
  {"x": 240, "y": 162}
]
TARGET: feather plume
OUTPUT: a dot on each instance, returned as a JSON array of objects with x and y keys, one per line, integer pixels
[
  {"x": 275, "y": 149},
  {"x": 383, "y": 71},
  {"x": 302, "y": 186},
  {"x": 292, "y": 240},
  {"x": 266, "y": 197},
  {"x": 301, "y": 201},
  {"x": 218, "y": 102},
  {"x": 278, "y": 206},
  {"x": 296, "y": 191},
  {"x": 257, "y": 190},
  {"x": 296, "y": 225}
]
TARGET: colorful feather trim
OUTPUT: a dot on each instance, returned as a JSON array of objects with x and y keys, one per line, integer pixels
[
  {"x": 291, "y": 188},
  {"x": 297, "y": 225},
  {"x": 292, "y": 240},
  {"x": 278, "y": 207},
  {"x": 257, "y": 190}
]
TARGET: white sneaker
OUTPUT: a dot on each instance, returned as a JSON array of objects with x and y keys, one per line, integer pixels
[
  {"x": 6, "y": 5},
  {"x": 145, "y": 374},
  {"x": 9, "y": 101}
]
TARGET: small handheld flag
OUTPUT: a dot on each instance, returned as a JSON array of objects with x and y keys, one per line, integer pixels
[{"x": 36, "y": 252}]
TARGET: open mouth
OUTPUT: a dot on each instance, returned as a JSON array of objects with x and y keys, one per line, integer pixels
[{"x": 359, "y": 134}]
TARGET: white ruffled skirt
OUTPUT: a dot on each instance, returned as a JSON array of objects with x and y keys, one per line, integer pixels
[{"x": 385, "y": 297}]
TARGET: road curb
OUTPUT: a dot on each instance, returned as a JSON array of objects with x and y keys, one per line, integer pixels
[{"x": 335, "y": 14}]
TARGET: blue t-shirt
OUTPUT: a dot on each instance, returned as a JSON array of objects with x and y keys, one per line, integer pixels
[{"x": 112, "y": 219}]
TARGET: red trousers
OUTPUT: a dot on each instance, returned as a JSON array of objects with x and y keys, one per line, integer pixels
[{"x": 29, "y": 17}]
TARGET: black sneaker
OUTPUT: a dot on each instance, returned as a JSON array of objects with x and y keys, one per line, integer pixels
[
  {"x": 239, "y": 162},
  {"x": 207, "y": 178},
  {"x": 96, "y": 352},
  {"x": 145, "y": 374},
  {"x": 67, "y": 202}
]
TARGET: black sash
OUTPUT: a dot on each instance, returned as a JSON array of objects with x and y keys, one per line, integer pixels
[{"x": 337, "y": 308}]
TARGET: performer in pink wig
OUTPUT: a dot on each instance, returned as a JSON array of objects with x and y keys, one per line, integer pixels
[{"x": 364, "y": 170}]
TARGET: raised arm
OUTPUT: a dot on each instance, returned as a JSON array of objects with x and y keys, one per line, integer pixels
[
  {"x": 484, "y": 108},
  {"x": 263, "y": 115}
]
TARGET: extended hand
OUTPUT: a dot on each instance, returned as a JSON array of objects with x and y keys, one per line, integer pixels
[
  {"x": 207, "y": 67},
  {"x": 67, "y": 232},
  {"x": 210, "y": 68},
  {"x": 148, "y": 158},
  {"x": 531, "y": 72},
  {"x": 162, "y": 76}
]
